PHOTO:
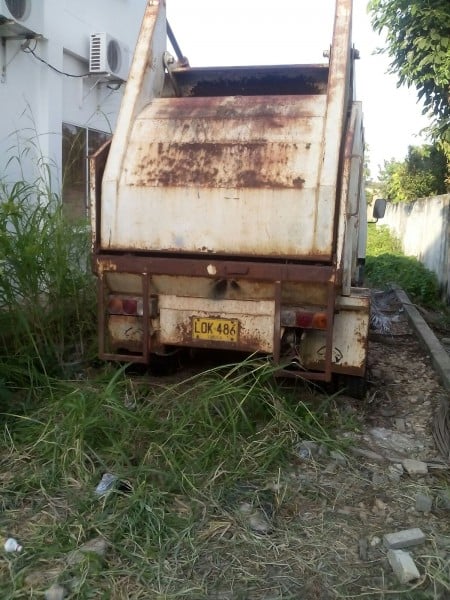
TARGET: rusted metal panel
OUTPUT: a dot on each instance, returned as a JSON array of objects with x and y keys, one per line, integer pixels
[
  {"x": 145, "y": 81},
  {"x": 125, "y": 332},
  {"x": 352, "y": 193},
  {"x": 214, "y": 268},
  {"x": 236, "y": 288},
  {"x": 256, "y": 321},
  {"x": 230, "y": 143},
  {"x": 97, "y": 163},
  {"x": 350, "y": 338},
  {"x": 233, "y": 175}
]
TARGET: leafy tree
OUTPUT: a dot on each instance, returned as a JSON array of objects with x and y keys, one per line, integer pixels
[
  {"x": 421, "y": 174},
  {"x": 418, "y": 42}
]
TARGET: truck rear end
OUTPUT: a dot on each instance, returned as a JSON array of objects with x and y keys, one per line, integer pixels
[{"x": 229, "y": 212}]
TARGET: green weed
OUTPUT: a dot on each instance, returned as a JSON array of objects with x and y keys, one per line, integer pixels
[
  {"x": 47, "y": 298},
  {"x": 386, "y": 264}
]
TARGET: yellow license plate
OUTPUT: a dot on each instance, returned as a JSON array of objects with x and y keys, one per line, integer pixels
[{"x": 216, "y": 330}]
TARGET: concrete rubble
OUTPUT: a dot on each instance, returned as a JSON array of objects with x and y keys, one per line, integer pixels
[
  {"x": 423, "y": 503},
  {"x": 404, "y": 539},
  {"x": 415, "y": 467},
  {"x": 403, "y": 565}
]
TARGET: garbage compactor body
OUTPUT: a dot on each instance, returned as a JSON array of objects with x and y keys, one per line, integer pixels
[{"x": 228, "y": 211}]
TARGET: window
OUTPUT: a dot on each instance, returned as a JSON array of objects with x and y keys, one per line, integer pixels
[{"x": 77, "y": 144}]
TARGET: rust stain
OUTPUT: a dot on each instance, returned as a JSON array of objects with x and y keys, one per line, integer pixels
[
  {"x": 219, "y": 164},
  {"x": 105, "y": 266}
]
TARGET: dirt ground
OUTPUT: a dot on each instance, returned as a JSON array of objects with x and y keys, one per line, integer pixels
[{"x": 373, "y": 492}]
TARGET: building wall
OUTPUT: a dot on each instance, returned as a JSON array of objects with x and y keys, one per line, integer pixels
[
  {"x": 35, "y": 100},
  {"x": 423, "y": 228}
]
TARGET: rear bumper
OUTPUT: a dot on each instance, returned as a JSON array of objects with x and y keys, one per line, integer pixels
[{"x": 181, "y": 292}]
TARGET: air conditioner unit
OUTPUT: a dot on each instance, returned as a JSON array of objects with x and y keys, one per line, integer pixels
[
  {"x": 20, "y": 17},
  {"x": 109, "y": 57}
]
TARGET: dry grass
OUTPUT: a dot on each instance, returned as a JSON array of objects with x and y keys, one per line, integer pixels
[{"x": 191, "y": 455}]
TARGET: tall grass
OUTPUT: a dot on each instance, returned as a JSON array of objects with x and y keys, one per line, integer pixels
[{"x": 47, "y": 299}]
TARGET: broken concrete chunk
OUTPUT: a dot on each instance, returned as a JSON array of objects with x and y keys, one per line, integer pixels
[
  {"x": 56, "y": 592},
  {"x": 404, "y": 539},
  {"x": 415, "y": 467},
  {"x": 403, "y": 565},
  {"x": 424, "y": 503}
]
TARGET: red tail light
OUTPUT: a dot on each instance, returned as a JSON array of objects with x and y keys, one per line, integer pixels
[
  {"x": 304, "y": 319},
  {"x": 129, "y": 306},
  {"x": 125, "y": 305},
  {"x": 114, "y": 306}
]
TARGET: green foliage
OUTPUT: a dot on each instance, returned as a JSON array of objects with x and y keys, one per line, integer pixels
[
  {"x": 418, "y": 42},
  {"x": 46, "y": 289},
  {"x": 386, "y": 264},
  {"x": 423, "y": 173},
  {"x": 381, "y": 241}
]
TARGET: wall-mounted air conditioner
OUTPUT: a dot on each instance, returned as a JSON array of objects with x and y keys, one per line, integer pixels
[
  {"x": 109, "y": 57},
  {"x": 20, "y": 18}
]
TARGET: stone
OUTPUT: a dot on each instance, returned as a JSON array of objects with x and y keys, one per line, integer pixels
[
  {"x": 394, "y": 441},
  {"x": 424, "y": 503},
  {"x": 415, "y": 467},
  {"x": 331, "y": 468},
  {"x": 338, "y": 457},
  {"x": 255, "y": 518},
  {"x": 443, "y": 500},
  {"x": 380, "y": 505},
  {"x": 323, "y": 451},
  {"x": 404, "y": 539},
  {"x": 403, "y": 565},
  {"x": 362, "y": 549},
  {"x": 395, "y": 472},
  {"x": 400, "y": 424},
  {"x": 97, "y": 546},
  {"x": 56, "y": 592},
  {"x": 307, "y": 449},
  {"x": 378, "y": 479},
  {"x": 386, "y": 411},
  {"x": 446, "y": 341}
]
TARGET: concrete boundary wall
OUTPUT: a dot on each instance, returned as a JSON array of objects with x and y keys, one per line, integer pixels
[{"x": 423, "y": 228}]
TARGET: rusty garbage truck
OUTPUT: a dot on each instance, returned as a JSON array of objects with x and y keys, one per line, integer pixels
[{"x": 228, "y": 211}]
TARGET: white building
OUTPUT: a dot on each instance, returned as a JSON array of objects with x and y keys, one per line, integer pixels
[{"x": 52, "y": 106}]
